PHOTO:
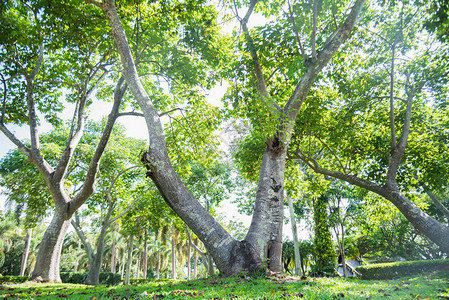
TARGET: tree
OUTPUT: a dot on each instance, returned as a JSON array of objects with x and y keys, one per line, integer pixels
[
  {"x": 378, "y": 151},
  {"x": 37, "y": 62},
  {"x": 263, "y": 243}
]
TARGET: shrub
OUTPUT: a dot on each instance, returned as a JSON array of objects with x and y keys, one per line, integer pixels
[
  {"x": 80, "y": 277},
  {"x": 399, "y": 269},
  {"x": 13, "y": 279}
]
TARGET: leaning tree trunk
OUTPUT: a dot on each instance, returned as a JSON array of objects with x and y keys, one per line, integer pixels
[
  {"x": 47, "y": 262},
  {"x": 26, "y": 251}
]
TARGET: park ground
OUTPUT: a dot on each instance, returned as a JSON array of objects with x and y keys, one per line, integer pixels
[{"x": 433, "y": 285}]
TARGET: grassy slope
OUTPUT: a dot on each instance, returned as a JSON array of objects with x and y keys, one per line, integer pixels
[{"x": 431, "y": 286}]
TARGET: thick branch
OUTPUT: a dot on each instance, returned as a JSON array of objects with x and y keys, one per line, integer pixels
[{"x": 89, "y": 181}]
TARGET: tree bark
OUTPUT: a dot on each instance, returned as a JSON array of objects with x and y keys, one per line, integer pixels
[
  {"x": 47, "y": 262},
  {"x": 26, "y": 251}
]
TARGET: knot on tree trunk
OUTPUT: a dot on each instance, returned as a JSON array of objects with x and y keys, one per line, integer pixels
[
  {"x": 147, "y": 161},
  {"x": 274, "y": 145},
  {"x": 244, "y": 257}
]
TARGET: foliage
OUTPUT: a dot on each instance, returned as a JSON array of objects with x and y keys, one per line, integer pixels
[
  {"x": 429, "y": 285},
  {"x": 80, "y": 277},
  {"x": 323, "y": 250},
  {"x": 400, "y": 269},
  {"x": 13, "y": 279}
]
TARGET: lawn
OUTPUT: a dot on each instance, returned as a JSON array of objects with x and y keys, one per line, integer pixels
[{"x": 431, "y": 286}]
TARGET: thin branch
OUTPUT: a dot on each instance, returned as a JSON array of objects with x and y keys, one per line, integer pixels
[
  {"x": 315, "y": 12},
  {"x": 130, "y": 113},
  {"x": 333, "y": 153},
  {"x": 98, "y": 4},
  {"x": 15, "y": 140},
  {"x": 438, "y": 203},
  {"x": 2, "y": 118},
  {"x": 261, "y": 85},
  {"x": 392, "y": 125},
  {"x": 295, "y": 29}
]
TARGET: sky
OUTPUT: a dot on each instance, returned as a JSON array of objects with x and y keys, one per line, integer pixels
[{"x": 136, "y": 128}]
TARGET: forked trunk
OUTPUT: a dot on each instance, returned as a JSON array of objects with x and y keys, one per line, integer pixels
[{"x": 47, "y": 263}]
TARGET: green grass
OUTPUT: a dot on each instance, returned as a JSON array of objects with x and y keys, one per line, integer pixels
[{"x": 432, "y": 286}]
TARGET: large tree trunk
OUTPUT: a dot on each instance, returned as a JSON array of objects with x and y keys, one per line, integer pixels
[
  {"x": 265, "y": 232},
  {"x": 47, "y": 262},
  {"x": 26, "y": 251}
]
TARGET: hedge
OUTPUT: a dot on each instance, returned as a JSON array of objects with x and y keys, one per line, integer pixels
[
  {"x": 80, "y": 277},
  {"x": 13, "y": 279},
  {"x": 400, "y": 269}
]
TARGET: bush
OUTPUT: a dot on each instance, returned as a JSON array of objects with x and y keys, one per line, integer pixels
[
  {"x": 399, "y": 269},
  {"x": 80, "y": 277},
  {"x": 13, "y": 279}
]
